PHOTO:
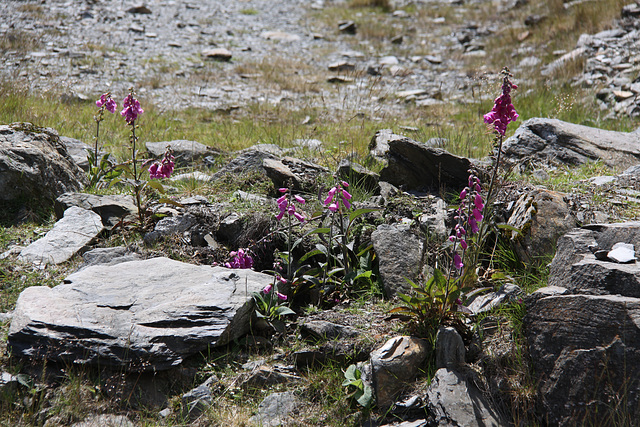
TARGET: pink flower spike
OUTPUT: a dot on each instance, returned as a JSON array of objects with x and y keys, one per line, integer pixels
[
  {"x": 282, "y": 297},
  {"x": 457, "y": 261},
  {"x": 110, "y": 105},
  {"x": 267, "y": 288},
  {"x": 299, "y": 199}
]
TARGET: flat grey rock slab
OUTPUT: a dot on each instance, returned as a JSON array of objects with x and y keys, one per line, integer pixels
[
  {"x": 140, "y": 315},
  {"x": 112, "y": 208},
  {"x": 275, "y": 409},
  {"x": 77, "y": 228},
  {"x": 185, "y": 152}
]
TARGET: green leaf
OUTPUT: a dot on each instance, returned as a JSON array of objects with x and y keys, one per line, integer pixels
[
  {"x": 350, "y": 373},
  {"x": 284, "y": 311},
  {"x": 367, "y": 397},
  {"x": 359, "y": 212},
  {"x": 310, "y": 254},
  {"x": 156, "y": 185},
  {"x": 170, "y": 202}
]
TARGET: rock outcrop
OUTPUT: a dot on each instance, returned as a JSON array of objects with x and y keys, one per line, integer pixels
[{"x": 140, "y": 315}]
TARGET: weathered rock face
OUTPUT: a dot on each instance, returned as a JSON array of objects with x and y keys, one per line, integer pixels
[
  {"x": 454, "y": 401},
  {"x": 394, "y": 364},
  {"x": 576, "y": 268},
  {"x": 140, "y": 315},
  {"x": 250, "y": 159},
  {"x": 111, "y": 208},
  {"x": 35, "y": 165},
  {"x": 560, "y": 143},
  {"x": 416, "y": 166},
  {"x": 585, "y": 351},
  {"x": 77, "y": 228},
  {"x": 399, "y": 252},
  {"x": 584, "y": 338},
  {"x": 301, "y": 174},
  {"x": 542, "y": 216}
]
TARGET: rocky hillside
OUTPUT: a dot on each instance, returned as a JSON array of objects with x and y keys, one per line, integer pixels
[{"x": 387, "y": 279}]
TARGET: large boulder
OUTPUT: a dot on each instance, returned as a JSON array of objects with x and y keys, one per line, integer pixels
[
  {"x": 414, "y": 165},
  {"x": 585, "y": 351},
  {"x": 140, "y": 316},
  {"x": 556, "y": 142},
  {"x": 583, "y": 331},
  {"x": 35, "y": 165},
  {"x": 112, "y": 208}
]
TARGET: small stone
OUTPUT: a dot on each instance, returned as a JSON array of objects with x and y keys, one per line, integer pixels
[
  {"x": 397, "y": 39},
  {"x": 217, "y": 54},
  {"x": 340, "y": 79},
  {"x": 136, "y": 28},
  {"x": 622, "y": 253},
  {"x": 342, "y": 66},
  {"x": 621, "y": 95},
  {"x": 280, "y": 36},
  {"x": 450, "y": 351},
  {"x": 347, "y": 27},
  {"x": 388, "y": 60},
  {"x": 142, "y": 9}
]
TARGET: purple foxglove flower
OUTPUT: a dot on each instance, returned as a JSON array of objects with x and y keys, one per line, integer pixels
[
  {"x": 282, "y": 190},
  {"x": 333, "y": 207},
  {"x": 463, "y": 194},
  {"x": 346, "y": 204},
  {"x": 280, "y": 215},
  {"x": 503, "y": 111},
  {"x": 131, "y": 109},
  {"x": 299, "y": 216},
  {"x": 282, "y": 297},
  {"x": 478, "y": 202},
  {"x": 267, "y": 288},
  {"x": 477, "y": 214},
  {"x": 457, "y": 261},
  {"x": 474, "y": 225},
  {"x": 299, "y": 199},
  {"x": 452, "y": 238},
  {"x": 346, "y": 195},
  {"x": 153, "y": 171},
  {"x": 345, "y": 184},
  {"x": 330, "y": 195},
  {"x": 281, "y": 200},
  {"x": 463, "y": 244}
]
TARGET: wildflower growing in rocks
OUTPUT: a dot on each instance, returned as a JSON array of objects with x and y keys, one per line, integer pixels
[
  {"x": 131, "y": 109},
  {"x": 468, "y": 215},
  {"x": 241, "y": 259},
  {"x": 164, "y": 169},
  {"x": 107, "y": 102},
  {"x": 503, "y": 111},
  {"x": 287, "y": 206},
  {"x": 338, "y": 197}
]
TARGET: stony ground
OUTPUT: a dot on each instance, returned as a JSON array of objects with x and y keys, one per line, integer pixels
[{"x": 283, "y": 52}]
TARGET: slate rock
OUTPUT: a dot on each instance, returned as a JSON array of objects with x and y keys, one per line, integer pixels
[
  {"x": 250, "y": 159},
  {"x": 347, "y": 27},
  {"x": 217, "y": 54},
  {"x": 357, "y": 174},
  {"x": 111, "y": 208},
  {"x": 301, "y": 174},
  {"x": 266, "y": 376},
  {"x": 394, "y": 364},
  {"x": 192, "y": 176},
  {"x": 454, "y": 401},
  {"x": 78, "y": 151},
  {"x": 542, "y": 216},
  {"x": 35, "y": 165},
  {"x": 450, "y": 350},
  {"x": 108, "y": 256},
  {"x": 168, "y": 226},
  {"x": 276, "y": 409},
  {"x": 585, "y": 352},
  {"x": 556, "y": 142},
  {"x": 197, "y": 400},
  {"x": 8, "y": 382},
  {"x": 508, "y": 292},
  {"x": 416, "y": 166},
  {"x": 140, "y": 315},
  {"x": 77, "y": 228},
  {"x": 576, "y": 268},
  {"x": 399, "y": 253},
  {"x": 186, "y": 153},
  {"x": 323, "y": 330}
]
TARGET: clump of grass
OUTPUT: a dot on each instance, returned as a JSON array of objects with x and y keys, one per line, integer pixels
[
  {"x": 249, "y": 11},
  {"x": 18, "y": 40},
  {"x": 384, "y": 5}
]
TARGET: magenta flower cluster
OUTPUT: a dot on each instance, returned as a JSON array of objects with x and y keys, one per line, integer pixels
[
  {"x": 164, "y": 169},
  {"x": 267, "y": 289},
  {"x": 468, "y": 215},
  {"x": 503, "y": 111},
  {"x": 338, "y": 196},
  {"x": 240, "y": 259},
  {"x": 108, "y": 103},
  {"x": 131, "y": 109},
  {"x": 286, "y": 205}
]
